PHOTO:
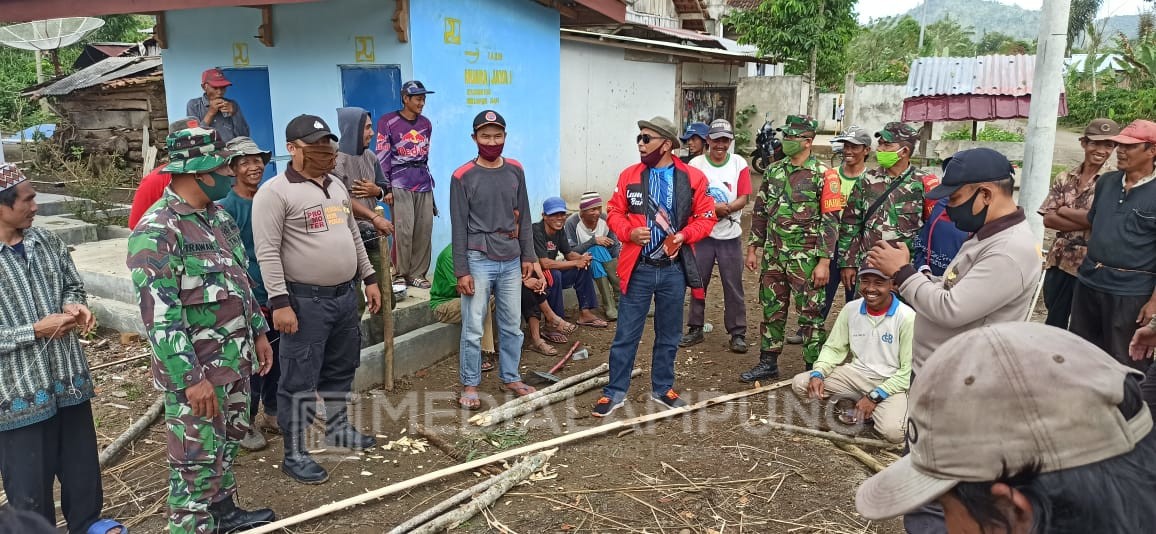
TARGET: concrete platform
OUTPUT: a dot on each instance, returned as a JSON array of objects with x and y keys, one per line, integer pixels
[{"x": 72, "y": 231}]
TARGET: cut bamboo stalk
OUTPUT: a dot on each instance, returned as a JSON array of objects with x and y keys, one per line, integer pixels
[
  {"x": 445, "y": 505},
  {"x": 563, "y": 384},
  {"x": 526, "y": 407},
  {"x": 436, "y": 440},
  {"x": 118, "y": 362},
  {"x": 861, "y": 455},
  {"x": 355, "y": 500},
  {"x": 134, "y": 431},
  {"x": 832, "y": 436},
  {"x": 385, "y": 278},
  {"x": 519, "y": 472}
]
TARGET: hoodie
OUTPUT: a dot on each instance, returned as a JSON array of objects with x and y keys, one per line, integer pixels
[{"x": 354, "y": 160}]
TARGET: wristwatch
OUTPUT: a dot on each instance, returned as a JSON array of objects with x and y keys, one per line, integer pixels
[{"x": 875, "y": 397}]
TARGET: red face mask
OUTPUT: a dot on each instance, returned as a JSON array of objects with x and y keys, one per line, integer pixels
[{"x": 490, "y": 152}]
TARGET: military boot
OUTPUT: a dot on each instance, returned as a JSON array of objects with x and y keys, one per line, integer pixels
[
  {"x": 340, "y": 433},
  {"x": 768, "y": 367},
  {"x": 298, "y": 464},
  {"x": 230, "y": 518}
]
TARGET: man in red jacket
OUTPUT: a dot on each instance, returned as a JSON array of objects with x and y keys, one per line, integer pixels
[{"x": 658, "y": 206}]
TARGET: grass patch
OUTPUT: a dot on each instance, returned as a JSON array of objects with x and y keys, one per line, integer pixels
[{"x": 477, "y": 445}]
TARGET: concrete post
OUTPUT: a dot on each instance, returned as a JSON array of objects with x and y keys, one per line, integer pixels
[
  {"x": 1047, "y": 84},
  {"x": 850, "y": 100}
]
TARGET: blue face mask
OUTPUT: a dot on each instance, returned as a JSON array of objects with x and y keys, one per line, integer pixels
[{"x": 220, "y": 188}]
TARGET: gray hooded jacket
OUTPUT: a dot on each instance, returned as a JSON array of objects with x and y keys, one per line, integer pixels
[{"x": 354, "y": 159}]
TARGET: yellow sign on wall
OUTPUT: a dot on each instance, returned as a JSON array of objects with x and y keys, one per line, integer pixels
[
  {"x": 240, "y": 54},
  {"x": 364, "y": 51},
  {"x": 453, "y": 34}
]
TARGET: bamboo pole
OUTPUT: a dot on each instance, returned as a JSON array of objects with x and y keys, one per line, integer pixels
[
  {"x": 385, "y": 279},
  {"x": 563, "y": 384},
  {"x": 519, "y": 472},
  {"x": 861, "y": 455},
  {"x": 833, "y": 436},
  {"x": 118, "y": 362},
  {"x": 139, "y": 426},
  {"x": 606, "y": 428},
  {"x": 445, "y": 505},
  {"x": 526, "y": 407}
]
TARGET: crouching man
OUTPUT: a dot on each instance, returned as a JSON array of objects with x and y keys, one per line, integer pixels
[{"x": 877, "y": 329}]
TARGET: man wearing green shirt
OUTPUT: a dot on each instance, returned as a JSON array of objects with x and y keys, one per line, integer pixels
[{"x": 446, "y": 303}]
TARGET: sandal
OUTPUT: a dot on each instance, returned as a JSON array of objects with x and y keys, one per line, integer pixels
[
  {"x": 520, "y": 389},
  {"x": 420, "y": 283},
  {"x": 594, "y": 323},
  {"x": 399, "y": 281},
  {"x": 488, "y": 362},
  {"x": 555, "y": 337},
  {"x": 105, "y": 525},
  {"x": 543, "y": 348},
  {"x": 562, "y": 326},
  {"x": 469, "y": 401}
]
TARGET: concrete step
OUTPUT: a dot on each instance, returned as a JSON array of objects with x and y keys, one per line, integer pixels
[
  {"x": 412, "y": 352},
  {"x": 72, "y": 231}
]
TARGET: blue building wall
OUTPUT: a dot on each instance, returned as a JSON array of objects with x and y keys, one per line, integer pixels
[
  {"x": 481, "y": 54},
  {"x": 311, "y": 41}
]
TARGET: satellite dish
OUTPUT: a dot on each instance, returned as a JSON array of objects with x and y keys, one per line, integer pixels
[{"x": 48, "y": 34}]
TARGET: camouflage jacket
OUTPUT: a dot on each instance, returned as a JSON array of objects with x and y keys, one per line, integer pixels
[
  {"x": 1068, "y": 250},
  {"x": 196, "y": 299},
  {"x": 797, "y": 210},
  {"x": 898, "y": 218}
]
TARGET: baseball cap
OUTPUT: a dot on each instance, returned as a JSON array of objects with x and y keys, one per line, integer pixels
[
  {"x": 489, "y": 116},
  {"x": 10, "y": 176},
  {"x": 973, "y": 166},
  {"x": 215, "y": 78},
  {"x": 796, "y": 125},
  {"x": 1101, "y": 129},
  {"x": 414, "y": 87},
  {"x": 897, "y": 132},
  {"x": 854, "y": 135},
  {"x": 695, "y": 128},
  {"x": 1139, "y": 131},
  {"x": 871, "y": 270},
  {"x": 195, "y": 150},
  {"x": 244, "y": 146},
  {"x": 1000, "y": 398},
  {"x": 720, "y": 129},
  {"x": 309, "y": 129},
  {"x": 554, "y": 205},
  {"x": 663, "y": 126}
]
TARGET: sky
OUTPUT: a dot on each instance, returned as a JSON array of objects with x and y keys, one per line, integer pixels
[{"x": 869, "y": 9}]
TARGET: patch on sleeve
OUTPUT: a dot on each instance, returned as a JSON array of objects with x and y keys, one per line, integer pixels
[{"x": 831, "y": 198}]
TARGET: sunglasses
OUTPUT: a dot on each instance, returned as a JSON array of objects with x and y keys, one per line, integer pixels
[{"x": 646, "y": 139}]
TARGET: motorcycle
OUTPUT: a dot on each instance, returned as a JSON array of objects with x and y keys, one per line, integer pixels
[{"x": 768, "y": 148}]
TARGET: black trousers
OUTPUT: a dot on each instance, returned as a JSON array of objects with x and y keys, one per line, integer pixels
[
  {"x": 62, "y": 448},
  {"x": 1059, "y": 290},
  {"x": 319, "y": 359},
  {"x": 264, "y": 388},
  {"x": 1109, "y": 321}
]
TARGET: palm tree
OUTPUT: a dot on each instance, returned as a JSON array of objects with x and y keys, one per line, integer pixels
[{"x": 1081, "y": 14}]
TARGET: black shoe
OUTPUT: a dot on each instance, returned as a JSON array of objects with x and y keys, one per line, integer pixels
[
  {"x": 809, "y": 366},
  {"x": 739, "y": 344},
  {"x": 670, "y": 399},
  {"x": 768, "y": 367},
  {"x": 229, "y": 518},
  {"x": 299, "y": 465},
  {"x": 693, "y": 337},
  {"x": 346, "y": 437}
]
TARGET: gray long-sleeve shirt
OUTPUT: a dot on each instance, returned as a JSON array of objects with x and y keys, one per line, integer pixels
[
  {"x": 571, "y": 229},
  {"x": 490, "y": 213},
  {"x": 227, "y": 127}
]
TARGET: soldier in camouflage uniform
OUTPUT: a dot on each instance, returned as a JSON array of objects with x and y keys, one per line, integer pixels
[
  {"x": 794, "y": 230},
  {"x": 896, "y": 218},
  {"x": 196, "y": 299}
]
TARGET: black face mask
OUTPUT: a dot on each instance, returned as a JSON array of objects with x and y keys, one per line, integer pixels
[{"x": 964, "y": 218}]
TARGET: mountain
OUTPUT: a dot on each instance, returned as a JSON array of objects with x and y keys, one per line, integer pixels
[
  {"x": 983, "y": 16},
  {"x": 1113, "y": 26}
]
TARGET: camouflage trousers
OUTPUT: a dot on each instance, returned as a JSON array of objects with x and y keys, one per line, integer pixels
[
  {"x": 783, "y": 278},
  {"x": 201, "y": 453}
]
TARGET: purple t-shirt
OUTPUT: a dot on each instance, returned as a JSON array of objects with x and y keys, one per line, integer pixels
[{"x": 403, "y": 152}]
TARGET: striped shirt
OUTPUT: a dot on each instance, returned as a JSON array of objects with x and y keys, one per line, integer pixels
[{"x": 38, "y": 376}]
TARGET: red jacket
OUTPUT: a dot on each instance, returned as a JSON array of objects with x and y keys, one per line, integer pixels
[
  {"x": 693, "y": 216},
  {"x": 151, "y": 188}
]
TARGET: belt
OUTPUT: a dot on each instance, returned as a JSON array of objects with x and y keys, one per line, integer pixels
[
  {"x": 664, "y": 262},
  {"x": 325, "y": 292}
]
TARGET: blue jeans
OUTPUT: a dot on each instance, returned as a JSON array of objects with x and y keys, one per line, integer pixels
[
  {"x": 667, "y": 286},
  {"x": 582, "y": 280},
  {"x": 503, "y": 280}
]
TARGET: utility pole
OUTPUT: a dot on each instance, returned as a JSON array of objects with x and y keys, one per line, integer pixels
[
  {"x": 1047, "y": 84},
  {"x": 922, "y": 26}
]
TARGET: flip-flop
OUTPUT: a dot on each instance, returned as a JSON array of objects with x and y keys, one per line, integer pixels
[
  {"x": 555, "y": 337},
  {"x": 520, "y": 389},
  {"x": 543, "y": 348},
  {"x": 104, "y": 525},
  {"x": 596, "y": 323},
  {"x": 487, "y": 363},
  {"x": 564, "y": 327},
  {"x": 469, "y": 401}
]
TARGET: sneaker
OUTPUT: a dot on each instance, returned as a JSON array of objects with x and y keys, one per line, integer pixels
[
  {"x": 670, "y": 399},
  {"x": 605, "y": 406}
]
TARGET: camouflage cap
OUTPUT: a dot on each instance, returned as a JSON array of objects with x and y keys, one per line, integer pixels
[
  {"x": 797, "y": 125},
  {"x": 194, "y": 150},
  {"x": 897, "y": 132},
  {"x": 244, "y": 146},
  {"x": 10, "y": 176}
]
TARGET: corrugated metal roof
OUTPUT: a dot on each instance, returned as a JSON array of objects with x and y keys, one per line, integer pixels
[
  {"x": 110, "y": 69},
  {"x": 984, "y": 75}
]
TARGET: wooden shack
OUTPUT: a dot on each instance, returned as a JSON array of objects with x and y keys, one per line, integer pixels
[{"x": 111, "y": 107}]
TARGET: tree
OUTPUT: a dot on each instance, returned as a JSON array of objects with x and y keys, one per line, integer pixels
[
  {"x": 946, "y": 38},
  {"x": 1001, "y": 43},
  {"x": 883, "y": 51},
  {"x": 802, "y": 34},
  {"x": 1081, "y": 14}
]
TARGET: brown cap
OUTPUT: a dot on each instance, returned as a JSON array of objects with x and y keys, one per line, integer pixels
[
  {"x": 1101, "y": 129},
  {"x": 1140, "y": 131},
  {"x": 1004, "y": 397},
  {"x": 663, "y": 127}
]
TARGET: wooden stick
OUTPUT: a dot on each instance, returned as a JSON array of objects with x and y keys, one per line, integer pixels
[
  {"x": 563, "y": 384},
  {"x": 833, "y": 436},
  {"x": 385, "y": 278},
  {"x": 528, "y": 448},
  {"x": 861, "y": 455},
  {"x": 546, "y": 400},
  {"x": 436, "y": 440},
  {"x": 519, "y": 472},
  {"x": 135, "y": 430},
  {"x": 445, "y": 505},
  {"x": 118, "y": 362}
]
